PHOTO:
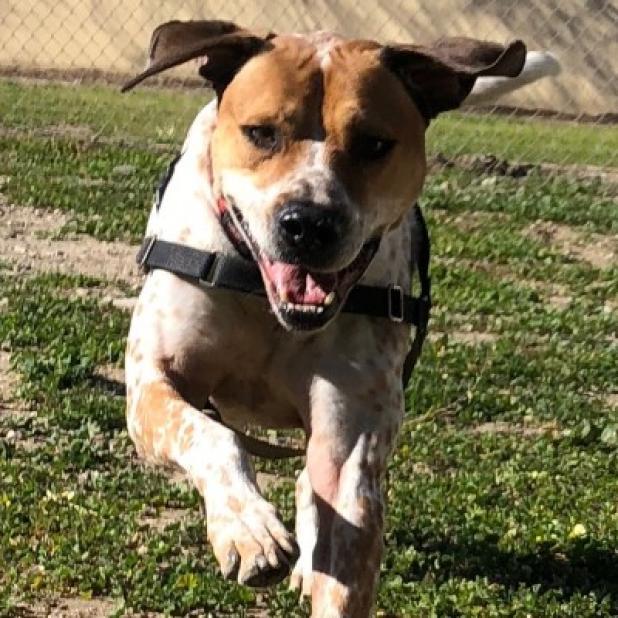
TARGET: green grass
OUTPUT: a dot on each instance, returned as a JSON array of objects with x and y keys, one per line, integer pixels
[
  {"x": 144, "y": 114},
  {"x": 106, "y": 189},
  {"x": 516, "y": 521},
  {"x": 163, "y": 115},
  {"x": 531, "y": 140}
]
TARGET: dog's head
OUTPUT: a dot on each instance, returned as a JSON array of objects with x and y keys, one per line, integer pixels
[{"x": 319, "y": 146}]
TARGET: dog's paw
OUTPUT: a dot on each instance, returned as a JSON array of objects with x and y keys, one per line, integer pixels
[{"x": 249, "y": 542}]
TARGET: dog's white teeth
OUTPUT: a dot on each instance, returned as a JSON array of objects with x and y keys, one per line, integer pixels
[
  {"x": 284, "y": 296},
  {"x": 330, "y": 299},
  {"x": 316, "y": 309}
]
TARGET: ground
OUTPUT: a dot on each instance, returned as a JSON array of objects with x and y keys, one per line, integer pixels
[{"x": 502, "y": 491}]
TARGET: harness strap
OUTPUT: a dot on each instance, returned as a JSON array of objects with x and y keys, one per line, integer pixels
[
  {"x": 209, "y": 269},
  {"x": 421, "y": 250},
  {"x": 217, "y": 270}
]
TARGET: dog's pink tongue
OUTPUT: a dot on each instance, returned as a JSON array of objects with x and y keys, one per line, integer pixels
[{"x": 296, "y": 285}]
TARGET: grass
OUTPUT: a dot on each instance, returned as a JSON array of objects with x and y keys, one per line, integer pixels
[
  {"x": 100, "y": 111},
  {"x": 106, "y": 189},
  {"x": 531, "y": 140},
  {"x": 502, "y": 488},
  {"x": 163, "y": 115}
]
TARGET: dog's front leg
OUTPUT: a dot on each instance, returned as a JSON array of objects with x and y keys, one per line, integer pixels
[
  {"x": 351, "y": 438},
  {"x": 248, "y": 539}
]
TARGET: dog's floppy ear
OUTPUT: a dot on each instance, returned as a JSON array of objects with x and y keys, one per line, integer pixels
[
  {"x": 224, "y": 46},
  {"x": 439, "y": 77}
]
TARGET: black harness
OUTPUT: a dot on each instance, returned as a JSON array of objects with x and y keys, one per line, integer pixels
[{"x": 216, "y": 270}]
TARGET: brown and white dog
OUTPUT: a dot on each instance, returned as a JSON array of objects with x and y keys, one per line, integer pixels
[{"x": 315, "y": 147}]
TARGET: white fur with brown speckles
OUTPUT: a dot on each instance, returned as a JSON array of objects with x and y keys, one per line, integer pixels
[{"x": 187, "y": 344}]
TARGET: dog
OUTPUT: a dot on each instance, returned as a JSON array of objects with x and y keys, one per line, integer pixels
[{"x": 306, "y": 165}]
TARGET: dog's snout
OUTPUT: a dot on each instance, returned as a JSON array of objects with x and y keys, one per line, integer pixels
[{"x": 308, "y": 229}]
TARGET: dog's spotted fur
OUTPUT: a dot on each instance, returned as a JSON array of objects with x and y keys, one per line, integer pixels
[{"x": 341, "y": 383}]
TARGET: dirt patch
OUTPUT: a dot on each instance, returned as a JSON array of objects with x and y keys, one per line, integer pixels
[
  {"x": 105, "y": 295},
  {"x": 493, "y": 166},
  {"x": 8, "y": 380},
  {"x": 471, "y": 221},
  {"x": 163, "y": 518},
  {"x": 111, "y": 379},
  {"x": 69, "y": 608},
  {"x": 560, "y": 302},
  {"x": 84, "y": 135},
  {"x": 25, "y": 244},
  {"x": 76, "y": 607},
  {"x": 465, "y": 337},
  {"x": 113, "y": 373},
  {"x": 124, "y": 304},
  {"x": 526, "y": 430},
  {"x": 611, "y": 400},
  {"x": 266, "y": 480},
  {"x": 11, "y": 408},
  {"x": 598, "y": 250},
  {"x": 473, "y": 337},
  {"x": 607, "y": 175},
  {"x": 22, "y": 443},
  {"x": 556, "y": 295},
  {"x": 77, "y": 132}
]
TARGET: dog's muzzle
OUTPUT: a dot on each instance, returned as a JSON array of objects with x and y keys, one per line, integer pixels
[
  {"x": 310, "y": 234},
  {"x": 304, "y": 293}
]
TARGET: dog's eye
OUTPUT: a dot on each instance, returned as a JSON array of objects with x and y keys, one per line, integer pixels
[
  {"x": 263, "y": 136},
  {"x": 371, "y": 147}
]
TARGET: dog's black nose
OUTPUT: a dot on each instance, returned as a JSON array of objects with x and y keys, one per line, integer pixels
[{"x": 309, "y": 230}]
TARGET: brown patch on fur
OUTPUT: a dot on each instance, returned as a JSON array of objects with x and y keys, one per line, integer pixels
[
  {"x": 351, "y": 107},
  {"x": 338, "y": 597},
  {"x": 184, "y": 234},
  {"x": 234, "y": 504},
  {"x": 291, "y": 102},
  {"x": 158, "y": 406},
  {"x": 308, "y": 104},
  {"x": 186, "y": 438}
]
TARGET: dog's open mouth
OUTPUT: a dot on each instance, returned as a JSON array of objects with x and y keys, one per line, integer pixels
[{"x": 303, "y": 299}]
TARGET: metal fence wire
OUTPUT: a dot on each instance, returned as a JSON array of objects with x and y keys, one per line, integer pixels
[{"x": 81, "y": 42}]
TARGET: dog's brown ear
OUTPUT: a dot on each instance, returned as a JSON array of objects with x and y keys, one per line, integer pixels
[
  {"x": 224, "y": 46},
  {"x": 439, "y": 77}
]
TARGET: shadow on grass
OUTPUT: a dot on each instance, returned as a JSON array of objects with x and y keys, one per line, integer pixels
[
  {"x": 109, "y": 386},
  {"x": 582, "y": 568}
]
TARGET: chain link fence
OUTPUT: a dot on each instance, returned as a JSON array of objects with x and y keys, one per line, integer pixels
[{"x": 104, "y": 42}]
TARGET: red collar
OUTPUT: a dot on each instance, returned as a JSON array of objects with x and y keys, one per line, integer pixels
[{"x": 229, "y": 228}]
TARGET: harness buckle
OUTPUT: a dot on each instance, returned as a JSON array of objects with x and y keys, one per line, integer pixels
[
  {"x": 395, "y": 303},
  {"x": 208, "y": 277},
  {"x": 146, "y": 254}
]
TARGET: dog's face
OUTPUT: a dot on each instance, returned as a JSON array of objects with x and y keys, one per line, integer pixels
[
  {"x": 319, "y": 146},
  {"x": 315, "y": 167}
]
